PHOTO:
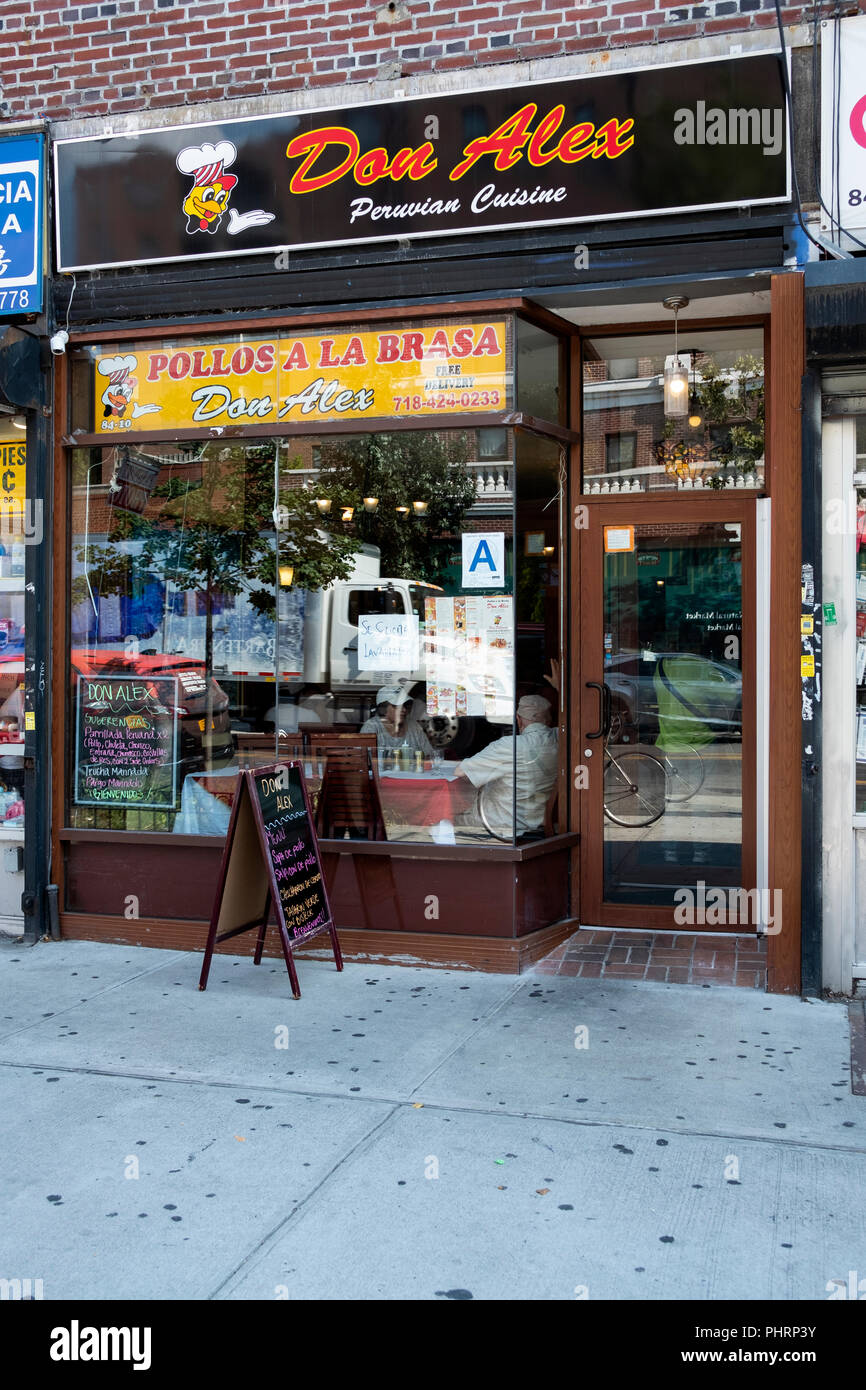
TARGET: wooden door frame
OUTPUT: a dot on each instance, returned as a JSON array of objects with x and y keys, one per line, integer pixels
[
  {"x": 785, "y": 364},
  {"x": 605, "y": 511}
]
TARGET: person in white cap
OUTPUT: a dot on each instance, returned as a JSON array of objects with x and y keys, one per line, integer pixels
[
  {"x": 394, "y": 722},
  {"x": 534, "y": 755}
]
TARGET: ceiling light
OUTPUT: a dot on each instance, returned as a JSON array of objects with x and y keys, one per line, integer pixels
[{"x": 676, "y": 376}]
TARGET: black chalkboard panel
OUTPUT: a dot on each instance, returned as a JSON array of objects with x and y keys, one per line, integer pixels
[
  {"x": 292, "y": 849},
  {"x": 271, "y": 857},
  {"x": 126, "y": 741}
]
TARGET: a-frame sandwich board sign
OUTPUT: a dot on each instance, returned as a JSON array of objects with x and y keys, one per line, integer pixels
[{"x": 271, "y": 857}]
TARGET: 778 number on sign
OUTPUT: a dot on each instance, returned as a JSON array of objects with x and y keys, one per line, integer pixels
[{"x": 14, "y": 299}]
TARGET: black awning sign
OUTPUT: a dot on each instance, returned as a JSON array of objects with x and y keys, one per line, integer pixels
[{"x": 680, "y": 138}]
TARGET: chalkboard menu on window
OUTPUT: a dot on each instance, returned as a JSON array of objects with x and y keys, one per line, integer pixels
[
  {"x": 271, "y": 858},
  {"x": 126, "y": 742}
]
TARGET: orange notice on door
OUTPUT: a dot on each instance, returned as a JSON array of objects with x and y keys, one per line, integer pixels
[{"x": 618, "y": 538}]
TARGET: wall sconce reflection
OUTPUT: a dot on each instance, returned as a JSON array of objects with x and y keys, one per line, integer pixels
[
  {"x": 347, "y": 513},
  {"x": 402, "y": 511},
  {"x": 370, "y": 504},
  {"x": 323, "y": 504},
  {"x": 420, "y": 508},
  {"x": 287, "y": 575}
]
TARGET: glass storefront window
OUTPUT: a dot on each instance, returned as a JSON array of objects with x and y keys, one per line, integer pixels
[
  {"x": 673, "y": 673},
  {"x": 539, "y": 372},
  {"x": 630, "y": 443},
  {"x": 12, "y": 552},
  {"x": 357, "y": 601}
]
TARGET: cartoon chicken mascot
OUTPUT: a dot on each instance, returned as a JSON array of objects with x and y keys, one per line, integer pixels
[
  {"x": 207, "y": 201},
  {"x": 117, "y": 396}
]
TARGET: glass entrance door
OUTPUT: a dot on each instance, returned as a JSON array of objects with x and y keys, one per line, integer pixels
[{"x": 666, "y": 725}]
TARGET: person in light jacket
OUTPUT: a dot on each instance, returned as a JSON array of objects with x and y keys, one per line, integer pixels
[
  {"x": 394, "y": 722},
  {"x": 533, "y": 755}
]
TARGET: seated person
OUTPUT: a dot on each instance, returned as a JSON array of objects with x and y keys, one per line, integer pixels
[
  {"x": 395, "y": 722},
  {"x": 537, "y": 766}
]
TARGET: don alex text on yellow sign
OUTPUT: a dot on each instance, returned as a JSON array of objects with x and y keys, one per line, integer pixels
[{"x": 452, "y": 370}]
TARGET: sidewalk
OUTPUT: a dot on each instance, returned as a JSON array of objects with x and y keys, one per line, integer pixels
[{"x": 425, "y": 1134}]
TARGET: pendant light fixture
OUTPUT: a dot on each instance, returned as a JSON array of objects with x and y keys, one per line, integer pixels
[{"x": 676, "y": 376}]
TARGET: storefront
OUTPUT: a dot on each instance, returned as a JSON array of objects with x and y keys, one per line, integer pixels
[
  {"x": 24, "y": 454},
  {"x": 13, "y": 470},
  {"x": 514, "y": 572}
]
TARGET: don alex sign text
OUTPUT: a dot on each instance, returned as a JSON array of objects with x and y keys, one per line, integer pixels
[
  {"x": 658, "y": 139},
  {"x": 456, "y": 369}
]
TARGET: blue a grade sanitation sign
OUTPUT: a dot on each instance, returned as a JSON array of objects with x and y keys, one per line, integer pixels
[{"x": 21, "y": 220}]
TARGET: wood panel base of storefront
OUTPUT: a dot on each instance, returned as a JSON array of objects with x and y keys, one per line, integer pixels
[
  {"x": 495, "y": 908},
  {"x": 493, "y": 955}
]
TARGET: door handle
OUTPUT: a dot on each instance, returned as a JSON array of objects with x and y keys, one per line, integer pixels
[
  {"x": 602, "y": 705},
  {"x": 606, "y": 708}
]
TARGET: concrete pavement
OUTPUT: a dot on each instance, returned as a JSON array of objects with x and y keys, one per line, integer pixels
[{"x": 418, "y": 1134}]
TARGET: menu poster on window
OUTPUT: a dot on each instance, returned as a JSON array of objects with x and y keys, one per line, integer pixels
[
  {"x": 126, "y": 742},
  {"x": 861, "y": 736},
  {"x": 498, "y": 638},
  {"x": 469, "y": 656}
]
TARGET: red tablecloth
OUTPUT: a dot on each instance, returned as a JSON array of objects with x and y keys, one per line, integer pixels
[{"x": 424, "y": 800}]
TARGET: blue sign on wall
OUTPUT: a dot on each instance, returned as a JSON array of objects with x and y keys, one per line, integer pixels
[{"x": 21, "y": 224}]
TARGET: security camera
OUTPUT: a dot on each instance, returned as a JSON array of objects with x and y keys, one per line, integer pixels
[{"x": 57, "y": 342}]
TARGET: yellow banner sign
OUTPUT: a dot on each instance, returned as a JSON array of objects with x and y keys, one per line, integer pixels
[
  {"x": 453, "y": 370},
  {"x": 13, "y": 460}
]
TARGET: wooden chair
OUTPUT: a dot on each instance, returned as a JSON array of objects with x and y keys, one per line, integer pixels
[
  {"x": 322, "y": 740},
  {"x": 257, "y": 750},
  {"x": 348, "y": 802}
]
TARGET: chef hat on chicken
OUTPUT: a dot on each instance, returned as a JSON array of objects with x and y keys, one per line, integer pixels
[
  {"x": 205, "y": 163},
  {"x": 117, "y": 369}
]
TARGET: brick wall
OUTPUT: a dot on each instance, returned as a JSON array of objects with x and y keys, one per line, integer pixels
[{"x": 59, "y": 60}]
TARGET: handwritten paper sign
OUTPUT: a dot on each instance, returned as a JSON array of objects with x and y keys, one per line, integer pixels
[
  {"x": 126, "y": 742},
  {"x": 387, "y": 642},
  {"x": 271, "y": 858}
]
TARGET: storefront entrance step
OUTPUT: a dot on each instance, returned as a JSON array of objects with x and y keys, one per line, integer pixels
[{"x": 666, "y": 957}]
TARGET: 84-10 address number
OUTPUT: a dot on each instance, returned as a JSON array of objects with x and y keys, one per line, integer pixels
[{"x": 14, "y": 299}]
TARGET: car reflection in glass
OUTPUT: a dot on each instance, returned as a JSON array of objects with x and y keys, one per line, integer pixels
[{"x": 711, "y": 696}]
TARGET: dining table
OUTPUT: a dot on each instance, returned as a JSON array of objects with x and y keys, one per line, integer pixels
[
  {"x": 433, "y": 798},
  {"x": 414, "y": 798}
]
